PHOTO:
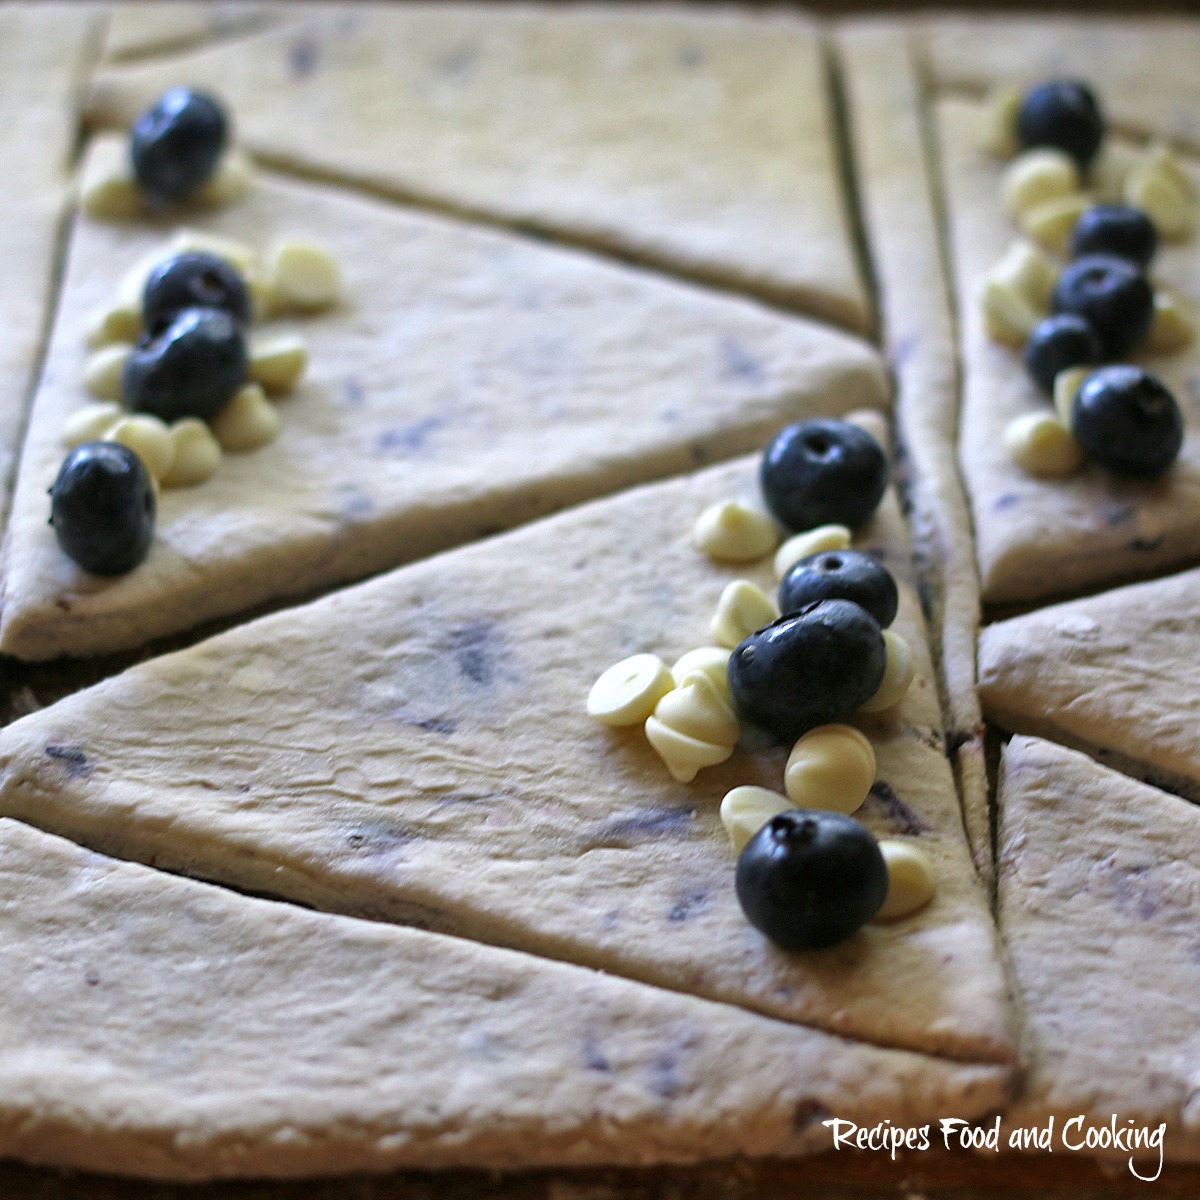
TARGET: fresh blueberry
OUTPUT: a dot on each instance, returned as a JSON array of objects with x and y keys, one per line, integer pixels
[
  {"x": 808, "y": 879},
  {"x": 1061, "y": 341},
  {"x": 807, "y": 669},
  {"x": 1112, "y": 294},
  {"x": 841, "y": 575},
  {"x": 193, "y": 280},
  {"x": 102, "y": 508},
  {"x": 176, "y": 144},
  {"x": 823, "y": 472},
  {"x": 1118, "y": 229},
  {"x": 1064, "y": 114},
  {"x": 1125, "y": 419},
  {"x": 192, "y": 368}
]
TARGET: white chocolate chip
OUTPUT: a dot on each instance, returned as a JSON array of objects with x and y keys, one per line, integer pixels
[
  {"x": 148, "y": 438},
  {"x": 1174, "y": 324},
  {"x": 898, "y": 674},
  {"x": 277, "y": 359},
  {"x": 248, "y": 422},
  {"x": 697, "y": 707},
  {"x": 120, "y": 322},
  {"x": 731, "y": 531},
  {"x": 102, "y": 371},
  {"x": 1008, "y": 317},
  {"x": 1042, "y": 445},
  {"x": 1052, "y": 222},
  {"x": 91, "y": 423},
  {"x": 831, "y": 767},
  {"x": 197, "y": 454},
  {"x": 627, "y": 692},
  {"x": 303, "y": 274},
  {"x": 237, "y": 254},
  {"x": 684, "y": 756},
  {"x": 911, "y": 881},
  {"x": 1037, "y": 176},
  {"x": 742, "y": 609},
  {"x": 1161, "y": 158},
  {"x": 811, "y": 541},
  {"x": 1029, "y": 271},
  {"x": 1111, "y": 168},
  {"x": 108, "y": 190},
  {"x": 1157, "y": 191},
  {"x": 1066, "y": 384},
  {"x": 745, "y": 810},
  {"x": 712, "y": 660},
  {"x": 997, "y": 132},
  {"x": 230, "y": 181}
]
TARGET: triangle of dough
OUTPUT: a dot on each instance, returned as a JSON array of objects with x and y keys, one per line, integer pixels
[
  {"x": 986, "y": 50},
  {"x": 700, "y": 143},
  {"x": 1114, "y": 674},
  {"x": 416, "y": 749},
  {"x": 469, "y": 381},
  {"x": 155, "y": 1026},
  {"x": 1098, "y": 877},
  {"x": 885, "y": 111},
  {"x": 1039, "y": 538},
  {"x": 45, "y": 49}
]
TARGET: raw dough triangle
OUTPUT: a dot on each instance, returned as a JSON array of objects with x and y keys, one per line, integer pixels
[
  {"x": 1098, "y": 877},
  {"x": 1142, "y": 69},
  {"x": 1114, "y": 674},
  {"x": 892, "y": 158},
  {"x": 469, "y": 381},
  {"x": 1039, "y": 538},
  {"x": 700, "y": 143},
  {"x": 155, "y": 1026},
  {"x": 416, "y": 749},
  {"x": 44, "y": 49}
]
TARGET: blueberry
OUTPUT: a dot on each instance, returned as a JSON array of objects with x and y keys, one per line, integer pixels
[
  {"x": 176, "y": 144},
  {"x": 1117, "y": 229},
  {"x": 823, "y": 472},
  {"x": 841, "y": 575},
  {"x": 808, "y": 668},
  {"x": 193, "y": 280},
  {"x": 1061, "y": 341},
  {"x": 808, "y": 879},
  {"x": 102, "y": 508},
  {"x": 1112, "y": 294},
  {"x": 1125, "y": 419},
  {"x": 1064, "y": 114},
  {"x": 192, "y": 368}
]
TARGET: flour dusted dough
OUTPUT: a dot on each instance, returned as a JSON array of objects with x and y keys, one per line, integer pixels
[
  {"x": 43, "y": 48},
  {"x": 1113, "y": 673},
  {"x": 1098, "y": 879},
  {"x": 1039, "y": 539},
  {"x": 470, "y": 380},
  {"x": 417, "y": 749},
  {"x": 155, "y": 1026},
  {"x": 885, "y": 114},
  {"x": 700, "y": 143}
]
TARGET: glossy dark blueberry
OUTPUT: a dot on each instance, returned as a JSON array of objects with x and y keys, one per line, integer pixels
[
  {"x": 192, "y": 368},
  {"x": 841, "y": 575},
  {"x": 807, "y": 669},
  {"x": 1125, "y": 419},
  {"x": 1112, "y": 295},
  {"x": 176, "y": 144},
  {"x": 193, "y": 280},
  {"x": 808, "y": 879},
  {"x": 1061, "y": 341},
  {"x": 1064, "y": 114},
  {"x": 102, "y": 508},
  {"x": 823, "y": 472},
  {"x": 1118, "y": 229}
]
